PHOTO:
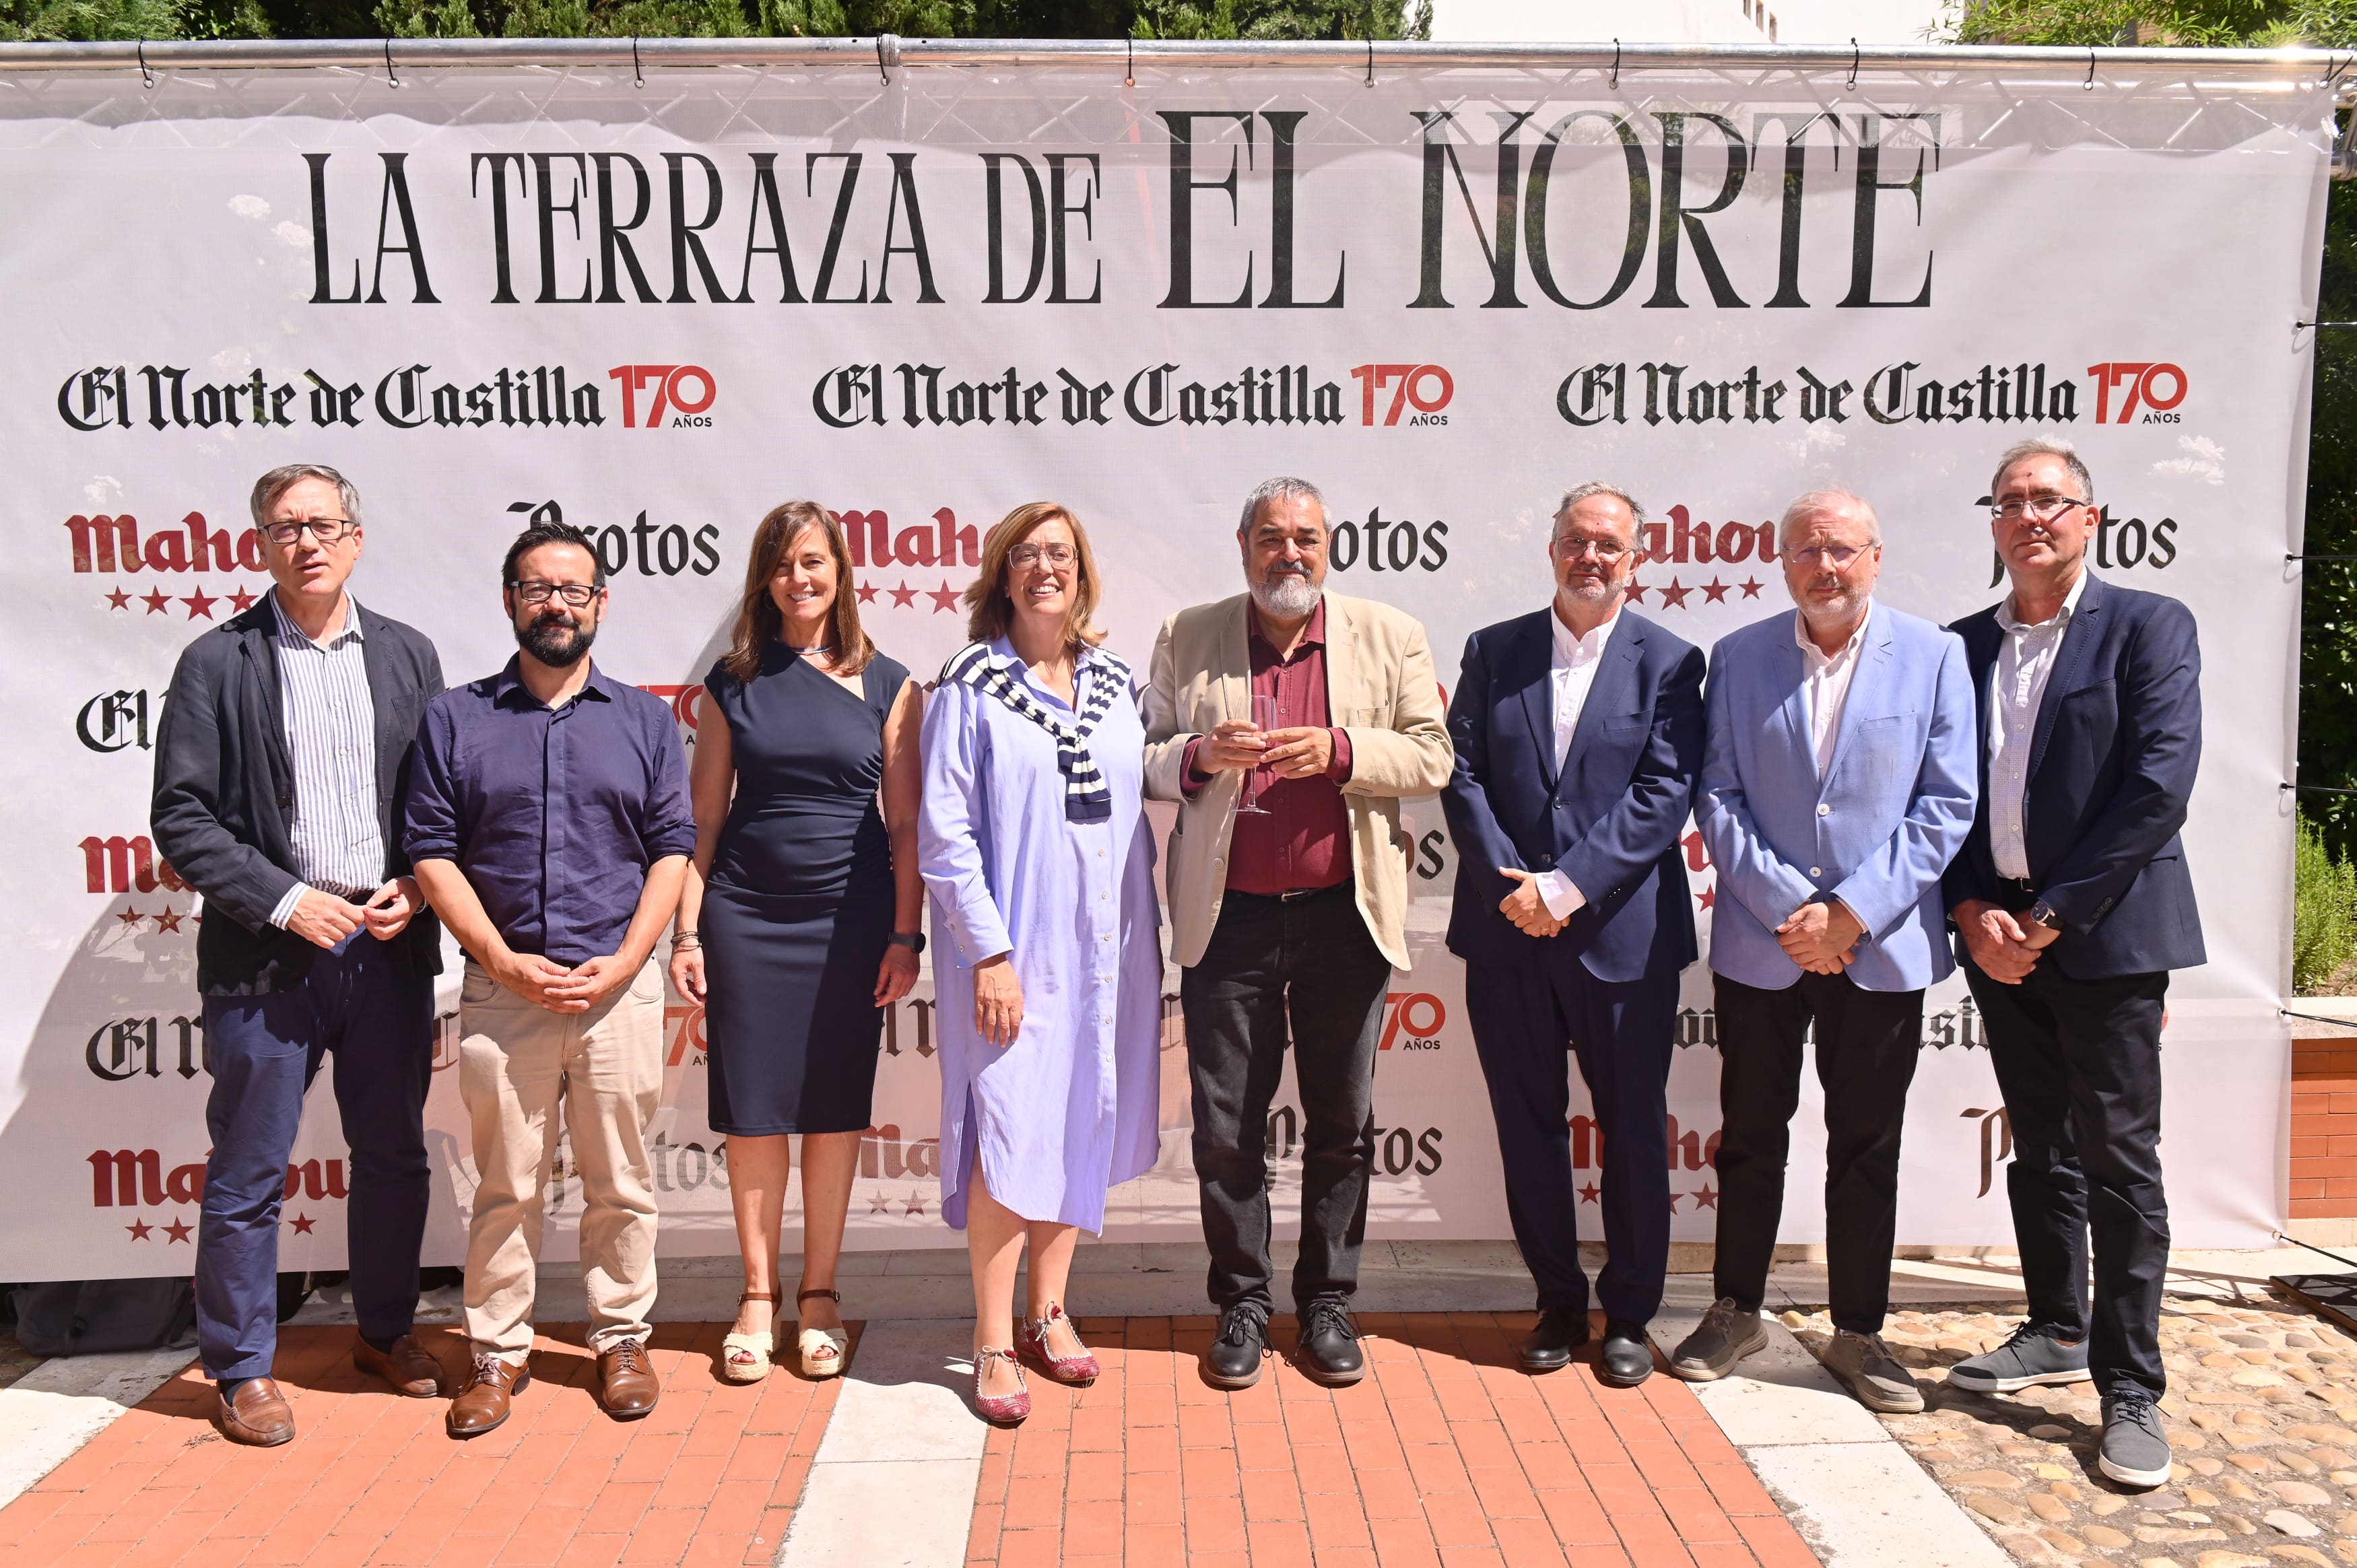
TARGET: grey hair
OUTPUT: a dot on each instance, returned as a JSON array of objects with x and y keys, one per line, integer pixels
[
  {"x": 2045, "y": 447},
  {"x": 1827, "y": 500},
  {"x": 1590, "y": 490},
  {"x": 1281, "y": 489},
  {"x": 278, "y": 481}
]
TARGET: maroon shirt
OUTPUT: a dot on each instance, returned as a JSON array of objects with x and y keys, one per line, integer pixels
[{"x": 1305, "y": 840}]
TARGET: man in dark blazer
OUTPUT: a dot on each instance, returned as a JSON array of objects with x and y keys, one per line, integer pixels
[
  {"x": 2072, "y": 902},
  {"x": 283, "y": 753},
  {"x": 1578, "y": 732}
]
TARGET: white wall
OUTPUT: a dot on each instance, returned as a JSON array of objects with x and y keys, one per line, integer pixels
[{"x": 1686, "y": 21}]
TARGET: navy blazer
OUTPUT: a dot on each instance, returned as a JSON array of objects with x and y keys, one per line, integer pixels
[
  {"x": 2112, "y": 761},
  {"x": 1610, "y": 821},
  {"x": 225, "y": 788}
]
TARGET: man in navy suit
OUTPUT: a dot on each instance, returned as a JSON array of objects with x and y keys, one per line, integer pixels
[
  {"x": 1578, "y": 732},
  {"x": 2072, "y": 902},
  {"x": 1836, "y": 786}
]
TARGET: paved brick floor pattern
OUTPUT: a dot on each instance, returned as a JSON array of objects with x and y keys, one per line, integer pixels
[
  {"x": 1446, "y": 1457},
  {"x": 710, "y": 1477}
]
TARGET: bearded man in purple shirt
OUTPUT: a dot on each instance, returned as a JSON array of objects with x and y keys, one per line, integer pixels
[{"x": 550, "y": 825}]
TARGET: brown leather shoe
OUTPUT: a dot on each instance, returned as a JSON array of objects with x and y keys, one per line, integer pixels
[
  {"x": 482, "y": 1404},
  {"x": 407, "y": 1367},
  {"x": 626, "y": 1384},
  {"x": 257, "y": 1415}
]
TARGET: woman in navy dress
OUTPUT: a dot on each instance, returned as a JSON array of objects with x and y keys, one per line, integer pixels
[{"x": 799, "y": 923}]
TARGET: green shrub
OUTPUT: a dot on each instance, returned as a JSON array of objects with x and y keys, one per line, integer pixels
[{"x": 2324, "y": 911}]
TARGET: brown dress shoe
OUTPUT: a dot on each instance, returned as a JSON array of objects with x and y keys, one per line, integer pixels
[
  {"x": 482, "y": 1404},
  {"x": 257, "y": 1415},
  {"x": 407, "y": 1367},
  {"x": 626, "y": 1384}
]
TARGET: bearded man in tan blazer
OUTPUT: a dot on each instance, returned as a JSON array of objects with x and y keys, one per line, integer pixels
[{"x": 1288, "y": 919}]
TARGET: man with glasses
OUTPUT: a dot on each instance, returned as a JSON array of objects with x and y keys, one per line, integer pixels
[
  {"x": 1838, "y": 785},
  {"x": 550, "y": 826},
  {"x": 1579, "y": 733},
  {"x": 2072, "y": 902},
  {"x": 1288, "y": 912},
  {"x": 285, "y": 739}
]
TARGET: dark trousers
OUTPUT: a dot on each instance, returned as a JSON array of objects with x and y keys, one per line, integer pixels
[
  {"x": 367, "y": 1004},
  {"x": 1865, "y": 1047},
  {"x": 1308, "y": 967},
  {"x": 1522, "y": 1018},
  {"x": 2079, "y": 1064}
]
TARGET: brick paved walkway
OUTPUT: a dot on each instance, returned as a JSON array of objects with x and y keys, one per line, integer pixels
[{"x": 1445, "y": 1456}]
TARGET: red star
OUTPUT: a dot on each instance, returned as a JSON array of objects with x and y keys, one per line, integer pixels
[
  {"x": 1636, "y": 592},
  {"x": 117, "y": 599},
  {"x": 200, "y": 604},
  {"x": 139, "y": 1229},
  {"x": 1590, "y": 1193},
  {"x": 1707, "y": 898},
  {"x": 130, "y": 916},
  {"x": 167, "y": 920},
  {"x": 915, "y": 1205},
  {"x": 944, "y": 597},
  {"x": 1673, "y": 1201},
  {"x": 178, "y": 1232},
  {"x": 1707, "y": 1198},
  {"x": 866, "y": 592},
  {"x": 1752, "y": 588},
  {"x": 303, "y": 1224},
  {"x": 239, "y": 600},
  {"x": 1714, "y": 591},
  {"x": 1675, "y": 596},
  {"x": 903, "y": 596},
  {"x": 879, "y": 1204},
  {"x": 156, "y": 600}
]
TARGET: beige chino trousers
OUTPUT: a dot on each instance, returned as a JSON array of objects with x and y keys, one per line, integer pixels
[{"x": 517, "y": 1063}]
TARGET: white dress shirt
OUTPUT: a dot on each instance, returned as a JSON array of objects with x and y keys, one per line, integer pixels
[
  {"x": 2016, "y": 687},
  {"x": 331, "y": 716},
  {"x": 1827, "y": 686},
  {"x": 1570, "y": 674}
]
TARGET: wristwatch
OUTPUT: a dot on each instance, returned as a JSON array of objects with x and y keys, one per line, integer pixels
[
  {"x": 913, "y": 940},
  {"x": 2042, "y": 914}
]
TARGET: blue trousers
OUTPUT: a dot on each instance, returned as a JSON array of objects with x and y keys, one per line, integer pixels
[
  {"x": 366, "y": 1003},
  {"x": 1523, "y": 1019}
]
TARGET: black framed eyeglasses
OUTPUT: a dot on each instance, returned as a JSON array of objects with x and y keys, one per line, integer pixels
[
  {"x": 577, "y": 595},
  {"x": 325, "y": 529},
  {"x": 2038, "y": 509}
]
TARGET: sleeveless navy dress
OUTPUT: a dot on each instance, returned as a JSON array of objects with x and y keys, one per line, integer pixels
[{"x": 798, "y": 906}]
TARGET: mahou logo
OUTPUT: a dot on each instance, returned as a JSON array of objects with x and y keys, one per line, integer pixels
[
  {"x": 113, "y": 545},
  {"x": 659, "y": 397}
]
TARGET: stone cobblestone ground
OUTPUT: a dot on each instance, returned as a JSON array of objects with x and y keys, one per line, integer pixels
[
  {"x": 14, "y": 1359},
  {"x": 2262, "y": 1411}
]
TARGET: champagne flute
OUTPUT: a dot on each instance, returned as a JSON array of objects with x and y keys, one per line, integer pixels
[{"x": 1264, "y": 719}]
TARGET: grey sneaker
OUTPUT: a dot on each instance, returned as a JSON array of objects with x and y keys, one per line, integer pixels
[
  {"x": 2033, "y": 1356},
  {"x": 1873, "y": 1373},
  {"x": 1725, "y": 1334},
  {"x": 2135, "y": 1451}
]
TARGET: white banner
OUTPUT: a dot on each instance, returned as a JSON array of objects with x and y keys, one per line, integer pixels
[{"x": 1442, "y": 296}]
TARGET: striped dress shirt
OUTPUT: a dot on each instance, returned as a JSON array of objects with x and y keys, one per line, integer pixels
[{"x": 331, "y": 716}]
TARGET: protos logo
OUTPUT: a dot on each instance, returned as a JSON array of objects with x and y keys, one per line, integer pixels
[
  {"x": 2154, "y": 388},
  {"x": 682, "y": 394},
  {"x": 1426, "y": 389}
]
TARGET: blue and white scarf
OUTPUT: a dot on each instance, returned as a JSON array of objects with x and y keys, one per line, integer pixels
[{"x": 1098, "y": 684}]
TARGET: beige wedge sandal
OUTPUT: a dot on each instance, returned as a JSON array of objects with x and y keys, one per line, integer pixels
[
  {"x": 745, "y": 1357},
  {"x": 821, "y": 1348}
]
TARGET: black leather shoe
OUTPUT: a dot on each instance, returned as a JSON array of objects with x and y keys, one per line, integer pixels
[
  {"x": 1626, "y": 1357},
  {"x": 1328, "y": 1352},
  {"x": 1560, "y": 1330},
  {"x": 1233, "y": 1360}
]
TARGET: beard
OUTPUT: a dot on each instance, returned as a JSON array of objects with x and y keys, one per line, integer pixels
[
  {"x": 1286, "y": 595},
  {"x": 559, "y": 644},
  {"x": 1593, "y": 589}
]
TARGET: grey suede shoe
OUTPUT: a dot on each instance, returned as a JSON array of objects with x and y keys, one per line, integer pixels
[
  {"x": 1873, "y": 1373},
  {"x": 2032, "y": 1357},
  {"x": 2135, "y": 1450},
  {"x": 1725, "y": 1334}
]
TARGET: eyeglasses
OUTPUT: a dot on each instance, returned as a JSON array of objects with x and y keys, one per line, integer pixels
[
  {"x": 325, "y": 529},
  {"x": 1026, "y": 555},
  {"x": 1573, "y": 549},
  {"x": 574, "y": 593},
  {"x": 1837, "y": 557},
  {"x": 2038, "y": 509}
]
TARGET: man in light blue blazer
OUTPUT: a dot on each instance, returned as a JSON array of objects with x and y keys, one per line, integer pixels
[{"x": 1839, "y": 779}]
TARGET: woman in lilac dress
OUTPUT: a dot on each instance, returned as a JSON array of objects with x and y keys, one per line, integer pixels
[{"x": 1047, "y": 958}]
